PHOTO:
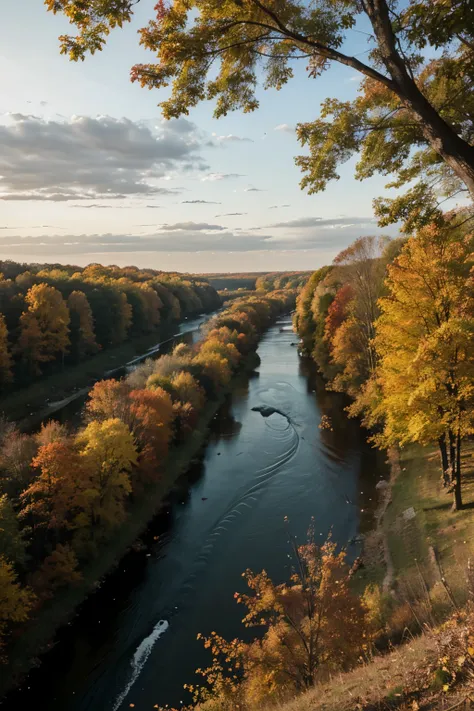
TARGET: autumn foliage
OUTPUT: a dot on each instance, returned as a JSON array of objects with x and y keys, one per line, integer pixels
[
  {"x": 63, "y": 494},
  {"x": 309, "y": 626},
  {"x": 391, "y": 324},
  {"x": 52, "y": 318}
]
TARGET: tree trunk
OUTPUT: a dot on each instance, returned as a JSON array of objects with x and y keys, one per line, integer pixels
[
  {"x": 452, "y": 455},
  {"x": 443, "y": 450},
  {"x": 442, "y": 138},
  {"x": 457, "y": 494}
]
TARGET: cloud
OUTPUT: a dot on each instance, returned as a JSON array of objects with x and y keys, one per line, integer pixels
[
  {"x": 231, "y": 138},
  {"x": 191, "y": 226},
  {"x": 86, "y": 158},
  {"x": 212, "y": 177},
  {"x": 200, "y": 202},
  {"x": 173, "y": 238},
  {"x": 333, "y": 222},
  {"x": 284, "y": 128}
]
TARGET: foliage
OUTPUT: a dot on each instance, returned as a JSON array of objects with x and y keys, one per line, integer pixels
[
  {"x": 44, "y": 326},
  {"x": 83, "y": 341},
  {"x": 15, "y": 457},
  {"x": 12, "y": 539},
  {"x": 55, "y": 494},
  {"x": 6, "y": 374},
  {"x": 409, "y": 99},
  {"x": 109, "y": 454},
  {"x": 312, "y": 624},
  {"x": 15, "y": 601},
  {"x": 63, "y": 492},
  {"x": 58, "y": 570},
  {"x": 424, "y": 339},
  {"x": 101, "y": 307}
]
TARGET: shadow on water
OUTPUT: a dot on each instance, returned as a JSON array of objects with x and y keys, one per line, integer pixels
[{"x": 134, "y": 640}]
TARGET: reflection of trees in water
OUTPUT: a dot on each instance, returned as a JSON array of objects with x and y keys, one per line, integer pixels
[
  {"x": 343, "y": 434},
  {"x": 224, "y": 425}
]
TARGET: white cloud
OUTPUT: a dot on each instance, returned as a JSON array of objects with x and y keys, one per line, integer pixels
[
  {"x": 212, "y": 177},
  {"x": 85, "y": 158},
  {"x": 231, "y": 138},
  {"x": 284, "y": 128}
]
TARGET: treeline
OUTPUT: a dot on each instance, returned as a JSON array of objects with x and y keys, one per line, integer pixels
[
  {"x": 53, "y": 315},
  {"x": 272, "y": 281},
  {"x": 63, "y": 494},
  {"x": 391, "y": 323},
  {"x": 282, "y": 280}
]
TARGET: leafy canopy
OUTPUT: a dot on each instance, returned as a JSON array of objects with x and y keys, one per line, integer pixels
[{"x": 412, "y": 117}]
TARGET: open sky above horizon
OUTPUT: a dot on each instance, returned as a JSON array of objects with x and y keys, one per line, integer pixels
[{"x": 90, "y": 172}]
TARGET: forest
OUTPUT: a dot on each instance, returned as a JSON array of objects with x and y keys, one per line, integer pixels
[
  {"x": 356, "y": 617},
  {"x": 56, "y": 315},
  {"x": 65, "y": 492}
]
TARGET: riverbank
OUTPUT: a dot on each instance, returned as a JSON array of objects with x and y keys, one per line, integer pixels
[
  {"x": 36, "y": 637},
  {"x": 418, "y": 540},
  {"x": 28, "y": 406}
]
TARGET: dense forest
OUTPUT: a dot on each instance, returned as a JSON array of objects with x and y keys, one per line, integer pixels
[
  {"x": 266, "y": 282},
  {"x": 391, "y": 324},
  {"x": 54, "y": 315},
  {"x": 64, "y": 493}
]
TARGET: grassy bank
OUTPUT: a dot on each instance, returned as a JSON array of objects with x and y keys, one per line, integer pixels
[
  {"x": 37, "y": 636},
  {"x": 423, "y": 539}
]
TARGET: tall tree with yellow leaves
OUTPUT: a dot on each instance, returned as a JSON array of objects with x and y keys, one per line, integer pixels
[
  {"x": 44, "y": 327},
  {"x": 109, "y": 454},
  {"x": 425, "y": 342},
  {"x": 83, "y": 341}
]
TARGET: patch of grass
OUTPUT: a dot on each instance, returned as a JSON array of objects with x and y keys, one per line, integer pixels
[{"x": 419, "y": 485}]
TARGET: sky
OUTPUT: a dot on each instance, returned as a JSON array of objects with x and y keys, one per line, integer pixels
[{"x": 90, "y": 172}]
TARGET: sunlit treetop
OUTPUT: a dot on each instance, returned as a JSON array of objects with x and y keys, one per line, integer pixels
[{"x": 411, "y": 96}]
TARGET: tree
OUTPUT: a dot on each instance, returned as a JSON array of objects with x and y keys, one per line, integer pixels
[
  {"x": 51, "y": 431},
  {"x": 12, "y": 540},
  {"x": 424, "y": 341},
  {"x": 58, "y": 570},
  {"x": 153, "y": 414},
  {"x": 6, "y": 375},
  {"x": 15, "y": 601},
  {"x": 83, "y": 341},
  {"x": 209, "y": 49},
  {"x": 109, "y": 454},
  {"x": 338, "y": 311},
  {"x": 15, "y": 460},
  {"x": 313, "y": 624},
  {"x": 110, "y": 399},
  {"x": 304, "y": 320},
  {"x": 361, "y": 266},
  {"x": 44, "y": 327},
  {"x": 188, "y": 390},
  {"x": 56, "y": 493}
]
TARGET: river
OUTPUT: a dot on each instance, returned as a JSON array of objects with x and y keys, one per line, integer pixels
[{"x": 134, "y": 640}]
